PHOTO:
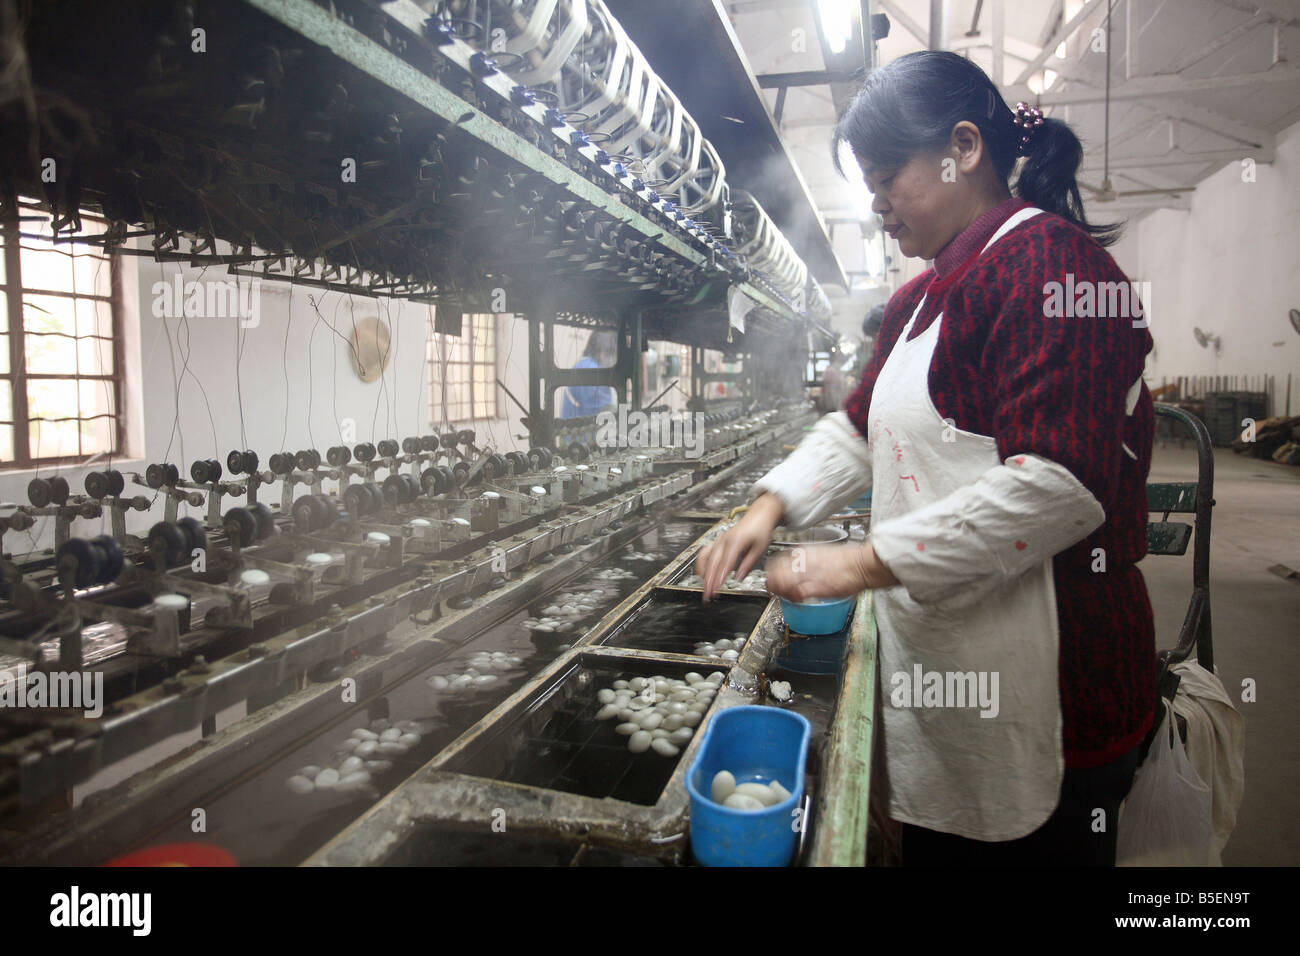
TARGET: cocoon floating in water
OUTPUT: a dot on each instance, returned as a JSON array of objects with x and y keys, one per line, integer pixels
[
  {"x": 300, "y": 784},
  {"x": 366, "y": 748},
  {"x": 627, "y": 729},
  {"x": 327, "y": 778},
  {"x": 392, "y": 733},
  {"x": 351, "y": 764},
  {"x": 353, "y": 781},
  {"x": 782, "y": 794},
  {"x": 664, "y": 747},
  {"x": 742, "y": 801},
  {"x": 724, "y": 785},
  {"x": 759, "y": 791},
  {"x": 608, "y": 711},
  {"x": 639, "y": 742}
]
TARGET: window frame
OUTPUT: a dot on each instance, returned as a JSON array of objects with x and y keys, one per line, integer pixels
[
  {"x": 438, "y": 383},
  {"x": 17, "y": 377}
]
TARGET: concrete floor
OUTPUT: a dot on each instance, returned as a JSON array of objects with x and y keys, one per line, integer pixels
[{"x": 1256, "y": 618}]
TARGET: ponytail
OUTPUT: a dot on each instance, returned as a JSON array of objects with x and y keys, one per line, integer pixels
[{"x": 1047, "y": 178}]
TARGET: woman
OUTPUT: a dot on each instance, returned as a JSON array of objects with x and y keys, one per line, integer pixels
[
  {"x": 583, "y": 401},
  {"x": 1007, "y": 449}
]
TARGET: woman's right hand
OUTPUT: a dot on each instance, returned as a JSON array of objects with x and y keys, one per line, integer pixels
[{"x": 740, "y": 547}]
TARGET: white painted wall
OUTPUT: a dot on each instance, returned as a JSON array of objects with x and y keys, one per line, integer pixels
[
  {"x": 1229, "y": 266},
  {"x": 296, "y": 390}
]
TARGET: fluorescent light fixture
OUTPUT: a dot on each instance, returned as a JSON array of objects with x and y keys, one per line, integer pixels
[{"x": 837, "y": 23}]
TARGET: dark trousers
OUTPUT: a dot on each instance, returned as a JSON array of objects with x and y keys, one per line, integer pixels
[{"x": 1069, "y": 837}]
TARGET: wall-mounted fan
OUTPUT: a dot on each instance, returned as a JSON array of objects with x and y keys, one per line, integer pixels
[{"x": 1204, "y": 340}]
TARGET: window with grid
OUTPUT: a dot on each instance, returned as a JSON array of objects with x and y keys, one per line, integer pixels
[
  {"x": 60, "y": 344},
  {"x": 463, "y": 371}
]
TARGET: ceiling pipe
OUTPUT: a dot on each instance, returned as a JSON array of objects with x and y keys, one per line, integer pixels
[{"x": 939, "y": 24}]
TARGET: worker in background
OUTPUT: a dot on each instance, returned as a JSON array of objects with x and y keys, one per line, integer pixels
[
  {"x": 581, "y": 401},
  {"x": 870, "y": 333},
  {"x": 1007, "y": 450}
]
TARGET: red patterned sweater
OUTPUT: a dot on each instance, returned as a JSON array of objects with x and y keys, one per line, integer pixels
[{"x": 1072, "y": 377}]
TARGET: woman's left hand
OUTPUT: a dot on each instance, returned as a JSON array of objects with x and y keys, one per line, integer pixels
[{"x": 827, "y": 571}]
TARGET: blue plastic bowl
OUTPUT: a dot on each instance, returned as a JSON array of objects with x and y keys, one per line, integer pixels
[
  {"x": 818, "y": 616},
  {"x": 757, "y": 744}
]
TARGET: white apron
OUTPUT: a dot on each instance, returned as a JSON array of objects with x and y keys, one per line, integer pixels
[{"x": 949, "y": 769}]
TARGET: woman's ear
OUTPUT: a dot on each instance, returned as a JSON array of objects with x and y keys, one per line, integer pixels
[{"x": 967, "y": 145}]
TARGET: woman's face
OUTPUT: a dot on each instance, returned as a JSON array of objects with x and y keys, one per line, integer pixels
[{"x": 918, "y": 205}]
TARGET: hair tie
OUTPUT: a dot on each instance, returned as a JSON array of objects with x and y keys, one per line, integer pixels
[{"x": 1028, "y": 118}]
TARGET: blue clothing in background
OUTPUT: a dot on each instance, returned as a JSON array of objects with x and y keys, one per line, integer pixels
[{"x": 583, "y": 400}]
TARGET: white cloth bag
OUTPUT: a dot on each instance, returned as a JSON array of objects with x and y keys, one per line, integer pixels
[
  {"x": 1165, "y": 821},
  {"x": 1216, "y": 746}
]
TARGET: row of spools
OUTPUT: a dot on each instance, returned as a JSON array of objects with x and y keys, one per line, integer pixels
[{"x": 576, "y": 57}]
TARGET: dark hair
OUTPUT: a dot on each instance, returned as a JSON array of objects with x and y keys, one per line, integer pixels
[
  {"x": 871, "y": 324},
  {"x": 912, "y": 104}
]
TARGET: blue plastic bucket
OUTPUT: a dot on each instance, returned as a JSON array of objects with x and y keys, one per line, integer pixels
[
  {"x": 756, "y": 744},
  {"x": 818, "y": 616}
]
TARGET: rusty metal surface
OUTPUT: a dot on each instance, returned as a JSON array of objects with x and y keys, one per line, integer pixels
[{"x": 843, "y": 794}]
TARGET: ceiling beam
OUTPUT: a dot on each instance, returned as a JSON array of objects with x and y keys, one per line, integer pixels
[
  {"x": 1102, "y": 211},
  {"x": 1277, "y": 10},
  {"x": 1049, "y": 24},
  {"x": 1058, "y": 37},
  {"x": 1158, "y": 86},
  {"x": 1218, "y": 43},
  {"x": 1176, "y": 157},
  {"x": 737, "y": 7},
  {"x": 776, "y": 81},
  {"x": 1016, "y": 49},
  {"x": 1218, "y": 124},
  {"x": 903, "y": 20}
]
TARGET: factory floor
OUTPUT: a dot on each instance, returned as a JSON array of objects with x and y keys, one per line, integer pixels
[{"x": 1256, "y": 617}]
